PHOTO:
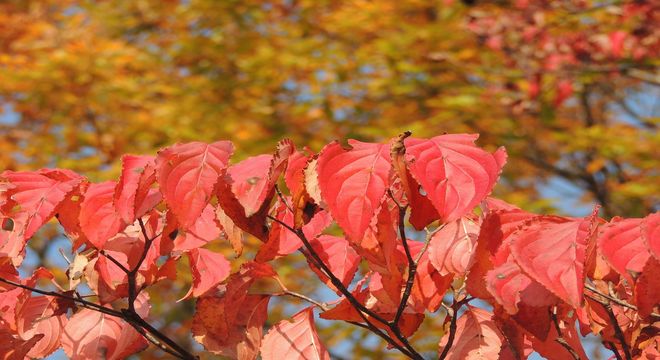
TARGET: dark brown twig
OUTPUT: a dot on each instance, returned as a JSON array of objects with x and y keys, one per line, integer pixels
[{"x": 560, "y": 339}]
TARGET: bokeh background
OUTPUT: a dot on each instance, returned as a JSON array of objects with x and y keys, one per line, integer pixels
[{"x": 570, "y": 88}]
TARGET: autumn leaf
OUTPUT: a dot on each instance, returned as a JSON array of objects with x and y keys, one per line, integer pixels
[
  {"x": 296, "y": 339},
  {"x": 187, "y": 174},
  {"x": 353, "y": 183},
  {"x": 208, "y": 269},
  {"x": 477, "y": 336},
  {"x": 551, "y": 250},
  {"x": 455, "y": 174}
]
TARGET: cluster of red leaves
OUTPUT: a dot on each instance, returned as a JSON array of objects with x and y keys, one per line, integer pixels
[
  {"x": 540, "y": 273},
  {"x": 553, "y": 41}
]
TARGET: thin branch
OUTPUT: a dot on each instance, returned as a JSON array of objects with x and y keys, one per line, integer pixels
[
  {"x": 451, "y": 311},
  {"x": 362, "y": 310},
  {"x": 80, "y": 301},
  {"x": 320, "y": 305},
  {"x": 412, "y": 267},
  {"x": 618, "y": 332},
  {"x": 614, "y": 349},
  {"x": 282, "y": 198},
  {"x": 560, "y": 339},
  {"x": 114, "y": 261},
  {"x": 608, "y": 297}
]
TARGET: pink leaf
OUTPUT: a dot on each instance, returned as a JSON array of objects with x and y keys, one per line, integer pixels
[
  {"x": 97, "y": 208},
  {"x": 282, "y": 242},
  {"x": 29, "y": 200},
  {"x": 337, "y": 253},
  {"x": 294, "y": 340},
  {"x": 36, "y": 316},
  {"x": 455, "y": 174},
  {"x": 353, "y": 182},
  {"x": 137, "y": 175},
  {"x": 294, "y": 176},
  {"x": 551, "y": 250},
  {"x": 187, "y": 174},
  {"x": 622, "y": 246},
  {"x": 208, "y": 269},
  {"x": 203, "y": 230},
  {"x": 477, "y": 336},
  {"x": 451, "y": 249},
  {"x": 93, "y": 335},
  {"x": 651, "y": 234}
]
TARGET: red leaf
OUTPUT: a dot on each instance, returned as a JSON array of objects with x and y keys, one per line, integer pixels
[
  {"x": 36, "y": 316},
  {"x": 282, "y": 242},
  {"x": 91, "y": 335},
  {"x": 230, "y": 322},
  {"x": 495, "y": 227},
  {"x": 249, "y": 208},
  {"x": 97, "y": 208},
  {"x": 208, "y": 270},
  {"x": 187, "y": 174},
  {"x": 294, "y": 176},
  {"x": 353, "y": 182},
  {"x": 651, "y": 234},
  {"x": 551, "y": 250},
  {"x": 337, "y": 253},
  {"x": 240, "y": 338},
  {"x": 12, "y": 348},
  {"x": 203, "y": 230},
  {"x": 455, "y": 174},
  {"x": 477, "y": 336},
  {"x": 429, "y": 286},
  {"x": 29, "y": 201},
  {"x": 294, "y": 340},
  {"x": 451, "y": 249},
  {"x": 232, "y": 232},
  {"x": 621, "y": 243},
  {"x": 647, "y": 288},
  {"x": 137, "y": 175}
]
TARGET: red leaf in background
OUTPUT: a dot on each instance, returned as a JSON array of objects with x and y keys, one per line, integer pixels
[
  {"x": 187, "y": 174},
  {"x": 68, "y": 214},
  {"x": 37, "y": 316},
  {"x": 282, "y": 242},
  {"x": 294, "y": 340},
  {"x": 249, "y": 208},
  {"x": 97, "y": 208},
  {"x": 232, "y": 232},
  {"x": 551, "y": 250},
  {"x": 647, "y": 288},
  {"x": 353, "y": 183},
  {"x": 250, "y": 181},
  {"x": 552, "y": 350},
  {"x": 379, "y": 244},
  {"x": 563, "y": 91},
  {"x": 93, "y": 335},
  {"x": 239, "y": 337},
  {"x": 651, "y": 234},
  {"x": 451, "y": 248},
  {"x": 230, "y": 322},
  {"x": 617, "y": 39},
  {"x": 621, "y": 243},
  {"x": 495, "y": 227},
  {"x": 477, "y": 336},
  {"x": 294, "y": 177},
  {"x": 337, "y": 253},
  {"x": 253, "y": 179},
  {"x": 429, "y": 286},
  {"x": 12, "y": 348},
  {"x": 29, "y": 201},
  {"x": 138, "y": 173},
  {"x": 455, "y": 174},
  {"x": 208, "y": 270},
  {"x": 203, "y": 230}
]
